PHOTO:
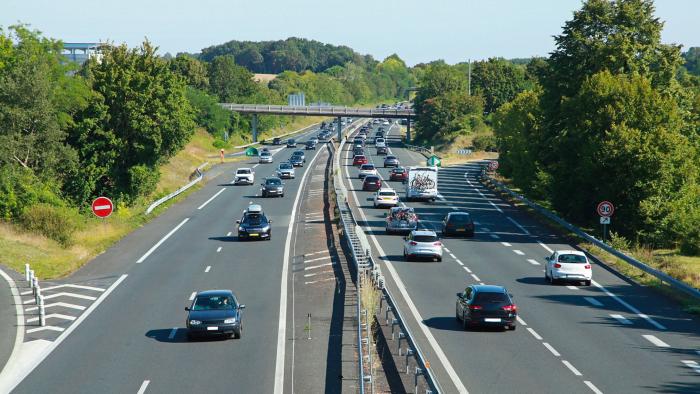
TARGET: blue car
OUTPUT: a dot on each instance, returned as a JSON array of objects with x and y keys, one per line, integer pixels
[{"x": 215, "y": 312}]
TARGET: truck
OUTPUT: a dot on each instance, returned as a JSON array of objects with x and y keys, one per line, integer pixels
[{"x": 422, "y": 183}]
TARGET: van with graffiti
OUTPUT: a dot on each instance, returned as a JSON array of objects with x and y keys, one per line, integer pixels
[{"x": 422, "y": 183}]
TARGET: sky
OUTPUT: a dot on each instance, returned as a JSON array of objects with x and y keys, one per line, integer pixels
[{"x": 418, "y": 31}]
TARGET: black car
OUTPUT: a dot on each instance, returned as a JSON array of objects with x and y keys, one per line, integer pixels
[
  {"x": 297, "y": 161},
  {"x": 486, "y": 305},
  {"x": 272, "y": 187},
  {"x": 382, "y": 150},
  {"x": 300, "y": 153},
  {"x": 215, "y": 312},
  {"x": 310, "y": 145},
  {"x": 291, "y": 143},
  {"x": 358, "y": 151},
  {"x": 254, "y": 224},
  {"x": 458, "y": 223},
  {"x": 276, "y": 141}
]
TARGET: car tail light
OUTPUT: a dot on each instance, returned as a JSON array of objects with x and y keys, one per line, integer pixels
[
  {"x": 438, "y": 243},
  {"x": 587, "y": 266},
  {"x": 557, "y": 265},
  {"x": 413, "y": 243},
  {"x": 475, "y": 307},
  {"x": 510, "y": 308}
]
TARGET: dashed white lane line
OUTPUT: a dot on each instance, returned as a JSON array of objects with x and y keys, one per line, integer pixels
[
  {"x": 495, "y": 236},
  {"x": 593, "y": 301},
  {"x": 208, "y": 268},
  {"x": 318, "y": 266},
  {"x": 572, "y": 287},
  {"x": 518, "y": 252},
  {"x": 467, "y": 269},
  {"x": 506, "y": 244},
  {"x": 484, "y": 229},
  {"x": 534, "y": 334},
  {"x": 692, "y": 365},
  {"x": 209, "y": 200},
  {"x": 533, "y": 261},
  {"x": 154, "y": 247},
  {"x": 656, "y": 341},
  {"x": 143, "y": 387},
  {"x": 572, "y": 368},
  {"x": 476, "y": 278},
  {"x": 446, "y": 250},
  {"x": 628, "y": 306},
  {"x": 194, "y": 293},
  {"x": 172, "y": 333},
  {"x": 621, "y": 319},
  {"x": 256, "y": 165},
  {"x": 228, "y": 234},
  {"x": 453, "y": 256},
  {"x": 521, "y": 321},
  {"x": 218, "y": 250},
  {"x": 592, "y": 387},
  {"x": 318, "y": 259},
  {"x": 459, "y": 262},
  {"x": 547, "y": 248},
  {"x": 518, "y": 225},
  {"x": 551, "y": 349}
]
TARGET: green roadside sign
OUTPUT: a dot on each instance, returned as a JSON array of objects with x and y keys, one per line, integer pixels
[
  {"x": 434, "y": 161},
  {"x": 251, "y": 151}
]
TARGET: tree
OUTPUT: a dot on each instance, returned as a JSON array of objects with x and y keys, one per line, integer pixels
[
  {"x": 229, "y": 81},
  {"x": 498, "y": 81},
  {"x": 692, "y": 60},
  {"x": 192, "y": 70}
]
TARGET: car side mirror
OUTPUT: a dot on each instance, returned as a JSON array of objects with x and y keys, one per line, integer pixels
[
  {"x": 511, "y": 295},
  {"x": 546, "y": 258},
  {"x": 269, "y": 221},
  {"x": 385, "y": 214},
  {"x": 238, "y": 222},
  {"x": 242, "y": 306},
  {"x": 459, "y": 295},
  {"x": 187, "y": 308}
]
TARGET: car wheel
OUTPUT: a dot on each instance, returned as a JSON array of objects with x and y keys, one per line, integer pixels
[
  {"x": 190, "y": 337},
  {"x": 512, "y": 328},
  {"x": 465, "y": 326},
  {"x": 439, "y": 259},
  {"x": 282, "y": 195},
  {"x": 588, "y": 283},
  {"x": 237, "y": 334},
  {"x": 457, "y": 315},
  {"x": 470, "y": 235}
]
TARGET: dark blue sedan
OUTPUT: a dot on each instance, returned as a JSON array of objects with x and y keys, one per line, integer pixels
[{"x": 215, "y": 312}]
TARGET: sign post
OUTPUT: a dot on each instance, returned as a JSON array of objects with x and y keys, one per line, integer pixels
[{"x": 605, "y": 209}]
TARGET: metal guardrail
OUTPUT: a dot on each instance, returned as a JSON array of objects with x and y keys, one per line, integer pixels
[
  {"x": 673, "y": 282},
  {"x": 200, "y": 176},
  {"x": 417, "y": 148},
  {"x": 278, "y": 136},
  {"x": 320, "y": 111},
  {"x": 365, "y": 265}
]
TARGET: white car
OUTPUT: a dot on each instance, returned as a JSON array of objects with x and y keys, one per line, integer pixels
[
  {"x": 265, "y": 157},
  {"x": 422, "y": 243},
  {"x": 380, "y": 142},
  {"x": 385, "y": 198},
  {"x": 568, "y": 266},
  {"x": 367, "y": 169},
  {"x": 244, "y": 176}
]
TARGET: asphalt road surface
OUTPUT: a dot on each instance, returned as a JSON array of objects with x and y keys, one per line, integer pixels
[{"x": 613, "y": 337}]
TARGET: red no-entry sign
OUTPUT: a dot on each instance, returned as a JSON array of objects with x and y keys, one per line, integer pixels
[
  {"x": 102, "y": 207},
  {"x": 605, "y": 209}
]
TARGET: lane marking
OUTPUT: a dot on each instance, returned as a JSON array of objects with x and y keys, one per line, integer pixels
[
  {"x": 592, "y": 387},
  {"x": 218, "y": 250},
  {"x": 44, "y": 328},
  {"x": 172, "y": 333},
  {"x": 53, "y": 315},
  {"x": 656, "y": 341},
  {"x": 518, "y": 225},
  {"x": 572, "y": 287},
  {"x": 64, "y": 294},
  {"x": 551, "y": 349},
  {"x": 521, "y": 321},
  {"x": 572, "y": 368},
  {"x": 533, "y": 261},
  {"x": 318, "y": 266},
  {"x": 453, "y": 256},
  {"x": 692, "y": 365},
  {"x": 628, "y": 306},
  {"x": 320, "y": 280},
  {"x": 446, "y": 250},
  {"x": 459, "y": 262},
  {"x": 476, "y": 278},
  {"x": 154, "y": 247},
  {"x": 507, "y": 244},
  {"x": 228, "y": 234},
  {"x": 518, "y": 252},
  {"x": 317, "y": 273},
  {"x": 621, "y": 319},
  {"x": 593, "y": 301},
  {"x": 534, "y": 334},
  {"x": 208, "y": 268},
  {"x": 547, "y": 248},
  {"x": 72, "y": 286},
  {"x": 317, "y": 259},
  {"x": 495, "y": 236},
  {"x": 484, "y": 229},
  {"x": 194, "y": 293},
  {"x": 212, "y": 197},
  {"x": 467, "y": 269},
  {"x": 319, "y": 252},
  {"x": 61, "y": 304},
  {"x": 142, "y": 389}
]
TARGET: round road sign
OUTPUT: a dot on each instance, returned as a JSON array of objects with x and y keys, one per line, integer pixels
[
  {"x": 102, "y": 207},
  {"x": 605, "y": 209},
  {"x": 493, "y": 165}
]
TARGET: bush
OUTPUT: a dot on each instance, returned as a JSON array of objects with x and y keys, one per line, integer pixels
[
  {"x": 143, "y": 180},
  {"x": 485, "y": 142},
  {"x": 619, "y": 242},
  {"x": 220, "y": 144},
  {"x": 57, "y": 223},
  {"x": 690, "y": 245}
]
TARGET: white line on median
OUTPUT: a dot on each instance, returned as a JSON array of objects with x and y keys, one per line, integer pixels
[
  {"x": 143, "y": 387},
  {"x": 318, "y": 266},
  {"x": 317, "y": 259},
  {"x": 656, "y": 341},
  {"x": 209, "y": 200},
  {"x": 154, "y": 247},
  {"x": 571, "y": 368}
]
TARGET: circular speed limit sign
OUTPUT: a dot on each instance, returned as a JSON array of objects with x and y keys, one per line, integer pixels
[
  {"x": 493, "y": 165},
  {"x": 605, "y": 209}
]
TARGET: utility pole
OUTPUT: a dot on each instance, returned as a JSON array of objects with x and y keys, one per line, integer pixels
[{"x": 469, "y": 81}]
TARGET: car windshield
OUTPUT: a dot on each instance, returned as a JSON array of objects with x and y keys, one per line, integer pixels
[
  {"x": 387, "y": 193},
  {"x": 572, "y": 258},
  {"x": 399, "y": 170},
  {"x": 372, "y": 179},
  {"x": 285, "y": 166},
  {"x": 214, "y": 302},
  {"x": 390, "y": 158},
  {"x": 265, "y": 154},
  {"x": 485, "y": 297},
  {"x": 246, "y": 171},
  {"x": 290, "y": 141},
  {"x": 425, "y": 238},
  {"x": 254, "y": 219},
  {"x": 367, "y": 167},
  {"x": 360, "y": 157},
  {"x": 273, "y": 182},
  {"x": 463, "y": 218}
]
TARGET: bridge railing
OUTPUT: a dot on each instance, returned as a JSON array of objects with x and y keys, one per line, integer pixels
[{"x": 319, "y": 110}]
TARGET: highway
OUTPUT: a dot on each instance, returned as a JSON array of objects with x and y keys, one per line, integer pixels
[
  {"x": 135, "y": 340},
  {"x": 612, "y": 337}
]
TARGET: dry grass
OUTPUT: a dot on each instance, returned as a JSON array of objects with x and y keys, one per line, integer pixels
[{"x": 264, "y": 78}]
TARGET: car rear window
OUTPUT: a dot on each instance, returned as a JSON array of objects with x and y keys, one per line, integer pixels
[
  {"x": 425, "y": 238},
  {"x": 367, "y": 166},
  {"x": 371, "y": 178},
  {"x": 243, "y": 172},
  {"x": 387, "y": 193},
  {"x": 572, "y": 258},
  {"x": 390, "y": 158},
  {"x": 460, "y": 219},
  {"x": 360, "y": 156},
  {"x": 274, "y": 182},
  {"x": 285, "y": 166},
  {"x": 399, "y": 170},
  {"x": 485, "y": 297}
]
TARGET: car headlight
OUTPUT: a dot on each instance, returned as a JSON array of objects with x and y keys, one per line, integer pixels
[
  {"x": 266, "y": 228},
  {"x": 241, "y": 229},
  {"x": 230, "y": 321},
  {"x": 195, "y": 322}
]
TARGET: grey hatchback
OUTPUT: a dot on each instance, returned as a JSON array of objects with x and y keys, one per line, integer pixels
[{"x": 214, "y": 312}]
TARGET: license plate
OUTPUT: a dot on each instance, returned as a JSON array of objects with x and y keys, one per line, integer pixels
[
  {"x": 212, "y": 328},
  {"x": 492, "y": 320},
  {"x": 253, "y": 235},
  {"x": 461, "y": 230}
]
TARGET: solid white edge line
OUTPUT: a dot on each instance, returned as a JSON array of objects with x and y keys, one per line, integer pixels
[
  {"x": 154, "y": 247},
  {"x": 572, "y": 368},
  {"x": 19, "y": 336},
  {"x": 209, "y": 200},
  {"x": 282, "y": 325},
  {"x": 547, "y": 248},
  {"x": 143, "y": 387},
  {"x": 67, "y": 332},
  {"x": 551, "y": 349},
  {"x": 518, "y": 225},
  {"x": 411, "y": 306},
  {"x": 628, "y": 306},
  {"x": 656, "y": 341},
  {"x": 592, "y": 387}
]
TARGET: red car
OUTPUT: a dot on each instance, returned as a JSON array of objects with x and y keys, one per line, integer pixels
[
  {"x": 399, "y": 174},
  {"x": 359, "y": 160},
  {"x": 371, "y": 183}
]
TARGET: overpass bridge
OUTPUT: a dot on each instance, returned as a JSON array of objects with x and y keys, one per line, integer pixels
[{"x": 336, "y": 111}]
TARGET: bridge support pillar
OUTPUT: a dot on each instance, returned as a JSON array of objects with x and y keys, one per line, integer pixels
[
  {"x": 254, "y": 124},
  {"x": 340, "y": 129},
  {"x": 408, "y": 130}
]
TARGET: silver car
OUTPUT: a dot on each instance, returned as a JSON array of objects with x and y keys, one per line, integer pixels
[
  {"x": 422, "y": 243},
  {"x": 391, "y": 161},
  {"x": 265, "y": 157},
  {"x": 285, "y": 170}
]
